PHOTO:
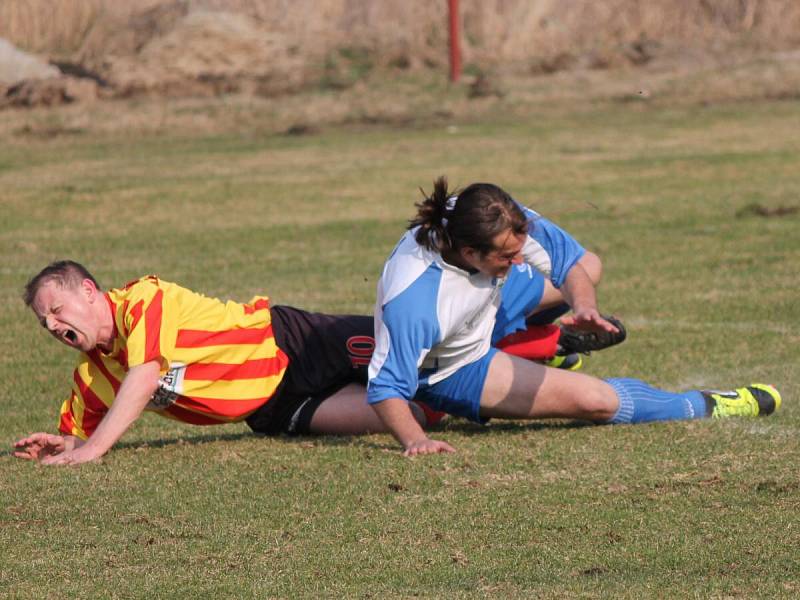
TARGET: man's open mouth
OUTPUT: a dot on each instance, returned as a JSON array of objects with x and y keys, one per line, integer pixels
[{"x": 71, "y": 336}]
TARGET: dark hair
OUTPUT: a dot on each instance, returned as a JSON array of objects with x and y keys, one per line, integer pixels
[
  {"x": 64, "y": 273},
  {"x": 471, "y": 217}
]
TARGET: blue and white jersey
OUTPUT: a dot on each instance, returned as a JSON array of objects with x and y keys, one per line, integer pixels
[{"x": 432, "y": 318}]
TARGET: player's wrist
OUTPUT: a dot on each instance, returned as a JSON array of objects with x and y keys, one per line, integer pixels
[{"x": 584, "y": 306}]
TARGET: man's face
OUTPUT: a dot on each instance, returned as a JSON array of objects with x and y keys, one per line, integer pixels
[
  {"x": 68, "y": 313},
  {"x": 497, "y": 262}
]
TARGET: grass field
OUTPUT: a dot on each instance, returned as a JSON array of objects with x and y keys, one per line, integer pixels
[{"x": 669, "y": 197}]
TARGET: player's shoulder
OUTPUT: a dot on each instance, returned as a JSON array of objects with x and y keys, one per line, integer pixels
[
  {"x": 150, "y": 282},
  {"x": 147, "y": 288},
  {"x": 411, "y": 269},
  {"x": 141, "y": 283},
  {"x": 529, "y": 212}
]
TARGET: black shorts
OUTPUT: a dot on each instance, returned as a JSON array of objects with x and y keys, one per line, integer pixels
[{"x": 326, "y": 352}]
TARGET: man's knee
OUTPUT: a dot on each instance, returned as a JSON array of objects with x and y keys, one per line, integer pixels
[{"x": 598, "y": 404}]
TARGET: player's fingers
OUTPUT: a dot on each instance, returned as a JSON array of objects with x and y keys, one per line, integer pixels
[
  {"x": 428, "y": 448},
  {"x": 413, "y": 453},
  {"x": 607, "y": 325},
  {"x": 32, "y": 448},
  {"x": 594, "y": 319},
  {"x": 34, "y": 438},
  {"x": 583, "y": 321},
  {"x": 25, "y": 455}
]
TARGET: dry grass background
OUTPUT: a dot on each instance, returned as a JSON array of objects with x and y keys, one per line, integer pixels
[
  {"x": 494, "y": 29},
  {"x": 296, "y": 37},
  {"x": 385, "y": 61}
]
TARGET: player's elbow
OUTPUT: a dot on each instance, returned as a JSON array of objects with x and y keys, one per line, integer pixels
[
  {"x": 593, "y": 266},
  {"x": 144, "y": 378},
  {"x": 149, "y": 383}
]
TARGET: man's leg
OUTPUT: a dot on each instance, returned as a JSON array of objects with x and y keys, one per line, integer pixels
[
  {"x": 347, "y": 413},
  {"x": 323, "y": 390},
  {"x": 519, "y": 389}
]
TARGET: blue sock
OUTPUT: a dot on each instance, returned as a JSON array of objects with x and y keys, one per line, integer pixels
[{"x": 641, "y": 403}]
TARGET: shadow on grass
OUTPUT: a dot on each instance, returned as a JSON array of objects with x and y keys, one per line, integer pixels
[
  {"x": 363, "y": 441},
  {"x": 183, "y": 440},
  {"x": 453, "y": 425},
  {"x": 511, "y": 427}
]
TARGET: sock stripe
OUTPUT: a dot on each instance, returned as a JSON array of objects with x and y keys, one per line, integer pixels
[
  {"x": 641, "y": 403},
  {"x": 624, "y": 413}
]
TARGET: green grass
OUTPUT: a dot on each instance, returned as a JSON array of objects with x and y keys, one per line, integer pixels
[{"x": 700, "y": 509}]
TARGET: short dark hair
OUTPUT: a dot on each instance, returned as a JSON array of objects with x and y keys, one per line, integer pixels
[
  {"x": 64, "y": 273},
  {"x": 471, "y": 217}
]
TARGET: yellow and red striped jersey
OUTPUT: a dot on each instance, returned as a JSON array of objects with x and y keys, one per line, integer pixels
[{"x": 219, "y": 361}]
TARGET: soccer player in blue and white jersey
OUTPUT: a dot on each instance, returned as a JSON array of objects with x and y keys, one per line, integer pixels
[{"x": 468, "y": 272}]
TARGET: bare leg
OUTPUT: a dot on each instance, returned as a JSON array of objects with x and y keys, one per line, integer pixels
[
  {"x": 347, "y": 413},
  {"x": 519, "y": 389}
]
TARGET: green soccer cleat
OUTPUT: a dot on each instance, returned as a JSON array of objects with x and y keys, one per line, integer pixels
[
  {"x": 755, "y": 400},
  {"x": 570, "y": 362}
]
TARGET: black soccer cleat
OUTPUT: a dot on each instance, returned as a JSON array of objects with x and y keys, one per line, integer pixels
[{"x": 585, "y": 341}]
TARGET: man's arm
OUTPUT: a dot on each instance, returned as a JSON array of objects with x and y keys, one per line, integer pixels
[
  {"x": 397, "y": 417},
  {"x": 135, "y": 392},
  {"x": 578, "y": 291},
  {"x": 572, "y": 271},
  {"x": 406, "y": 328}
]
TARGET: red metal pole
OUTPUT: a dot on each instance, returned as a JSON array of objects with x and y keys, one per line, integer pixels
[{"x": 455, "y": 42}]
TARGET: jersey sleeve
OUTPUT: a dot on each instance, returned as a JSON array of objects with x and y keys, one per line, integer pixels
[
  {"x": 149, "y": 324},
  {"x": 406, "y": 328},
  {"x": 89, "y": 400},
  {"x": 549, "y": 249}
]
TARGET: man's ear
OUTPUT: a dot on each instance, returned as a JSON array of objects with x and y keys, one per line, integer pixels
[
  {"x": 89, "y": 289},
  {"x": 468, "y": 254}
]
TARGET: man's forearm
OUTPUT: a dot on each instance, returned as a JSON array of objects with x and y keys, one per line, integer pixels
[
  {"x": 135, "y": 392},
  {"x": 578, "y": 289},
  {"x": 399, "y": 420}
]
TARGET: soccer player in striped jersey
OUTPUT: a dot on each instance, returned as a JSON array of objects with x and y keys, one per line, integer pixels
[
  {"x": 461, "y": 278},
  {"x": 156, "y": 345}
]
